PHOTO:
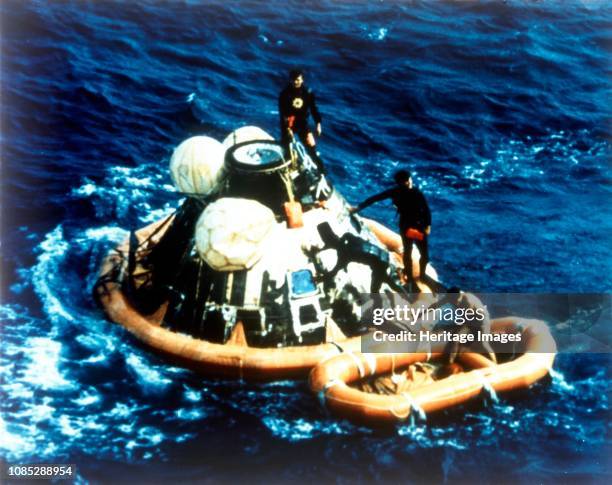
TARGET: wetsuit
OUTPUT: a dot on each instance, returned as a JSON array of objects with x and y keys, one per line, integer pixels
[
  {"x": 414, "y": 218},
  {"x": 294, "y": 107},
  {"x": 468, "y": 301}
]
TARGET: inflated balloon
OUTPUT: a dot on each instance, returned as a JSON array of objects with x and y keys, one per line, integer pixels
[
  {"x": 196, "y": 165},
  {"x": 231, "y": 233},
  {"x": 244, "y": 134}
]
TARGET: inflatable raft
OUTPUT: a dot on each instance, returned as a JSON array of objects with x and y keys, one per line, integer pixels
[
  {"x": 347, "y": 384},
  {"x": 258, "y": 273}
]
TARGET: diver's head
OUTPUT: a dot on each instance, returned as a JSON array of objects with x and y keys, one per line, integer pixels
[
  {"x": 453, "y": 293},
  {"x": 403, "y": 177},
  {"x": 296, "y": 77}
]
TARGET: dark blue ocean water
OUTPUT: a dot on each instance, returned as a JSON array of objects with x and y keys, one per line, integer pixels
[{"x": 501, "y": 110}]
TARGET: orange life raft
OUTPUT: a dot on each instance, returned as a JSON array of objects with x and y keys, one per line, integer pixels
[
  {"x": 330, "y": 379},
  {"x": 234, "y": 359}
]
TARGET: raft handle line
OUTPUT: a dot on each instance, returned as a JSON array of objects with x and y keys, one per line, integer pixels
[
  {"x": 486, "y": 385},
  {"x": 414, "y": 408},
  {"x": 358, "y": 364},
  {"x": 338, "y": 346},
  {"x": 322, "y": 393}
]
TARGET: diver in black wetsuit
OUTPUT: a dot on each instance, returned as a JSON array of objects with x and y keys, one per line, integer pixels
[
  {"x": 467, "y": 301},
  {"x": 414, "y": 219},
  {"x": 295, "y": 103}
]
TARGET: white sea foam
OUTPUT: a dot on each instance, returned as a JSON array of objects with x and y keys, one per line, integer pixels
[
  {"x": 43, "y": 361},
  {"x": 86, "y": 399},
  {"x": 46, "y": 277},
  {"x": 126, "y": 190},
  {"x": 526, "y": 159},
  {"x": 85, "y": 190},
  {"x": 379, "y": 34},
  {"x": 559, "y": 380},
  {"x": 301, "y": 429},
  {"x": 148, "y": 377},
  {"x": 192, "y": 395},
  {"x": 17, "y": 442},
  {"x": 66, "y": 427}
]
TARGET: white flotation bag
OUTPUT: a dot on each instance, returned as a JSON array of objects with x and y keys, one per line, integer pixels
[
  {"x": 196, "y": 165},
  {"x": 244, "y": 134},
  {"x": 231, "y": 233}
]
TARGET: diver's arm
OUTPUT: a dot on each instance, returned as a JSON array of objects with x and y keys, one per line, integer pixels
[
  {"x": 471, "y": 301},
  {"x": 314, "y": 110},
  {"x": 427, "y": 212},
  {"x": 375, "y": 198}
]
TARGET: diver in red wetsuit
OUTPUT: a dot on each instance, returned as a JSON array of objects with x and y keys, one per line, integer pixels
[
  {"x": 414, "y": 219},
  {"x": 295, "y": 103}
]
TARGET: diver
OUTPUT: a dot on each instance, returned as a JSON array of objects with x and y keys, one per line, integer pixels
[
  {"x": 414, "y": 223},
  {"x": 467, "y": 301},
  {"x": 295, "y": 103}
]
